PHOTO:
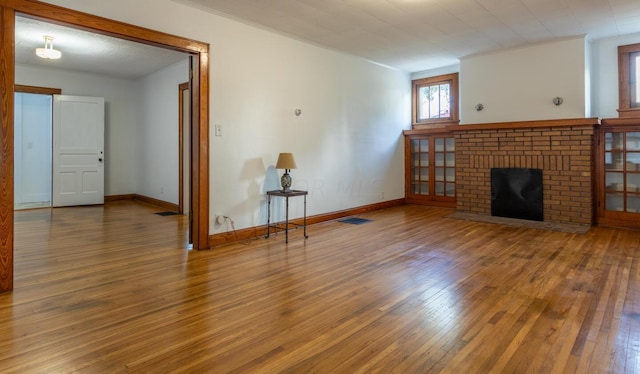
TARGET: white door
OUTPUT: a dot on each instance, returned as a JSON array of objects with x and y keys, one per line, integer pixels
[{"x": 78, "y": 150}]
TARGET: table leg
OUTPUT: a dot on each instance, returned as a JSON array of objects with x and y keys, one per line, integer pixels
[
  {"x": 268, "y": 214},
  {"x": 286, "y": 220},
  {"x": 305, "y": 217}
]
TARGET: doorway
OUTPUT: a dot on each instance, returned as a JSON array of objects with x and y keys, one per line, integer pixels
[
  {"x": 33, "y": 132},
  {"x": 58, "y": 157},
  {"x": 199, "y": 111},
  {"x": 33, "y": 119}
]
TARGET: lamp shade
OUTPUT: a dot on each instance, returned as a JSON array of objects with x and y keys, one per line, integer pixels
[{"x": 286, "y": 161}]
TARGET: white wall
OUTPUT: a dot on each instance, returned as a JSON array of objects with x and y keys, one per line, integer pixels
[
  {"x": 519, "y": 84},
  {"x": 347, "y": 142},
  {"x": 32, "y": 152},
  {"x": 120, "y": 109},
  {"x": 600, "y": 80},
  {"x": 156, "y": 147},
  {"x": 605, "y": 74}
]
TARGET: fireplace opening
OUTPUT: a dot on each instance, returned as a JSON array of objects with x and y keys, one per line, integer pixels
[{"x": 516, "y": 193}]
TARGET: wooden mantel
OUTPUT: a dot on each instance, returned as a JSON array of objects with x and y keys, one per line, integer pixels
[{"x": 526, "y": 124}]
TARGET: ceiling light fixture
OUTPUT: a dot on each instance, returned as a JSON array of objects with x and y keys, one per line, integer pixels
[{"x": 48, "y": 52}]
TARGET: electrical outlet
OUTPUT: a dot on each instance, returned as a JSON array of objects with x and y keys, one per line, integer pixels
[{"x": 218, "y": 130}]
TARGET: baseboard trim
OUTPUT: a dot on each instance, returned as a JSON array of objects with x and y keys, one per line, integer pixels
[
  {"x": 260, "y": 231},
  {"x": 162, "y": 204},
  {"x": 145, "y": 199},
  {"x": 111, "y": 198}
]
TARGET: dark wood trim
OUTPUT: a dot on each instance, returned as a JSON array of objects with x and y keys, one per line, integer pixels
[
  {"x": 453, "y": 93},
  {"x": 430, "y": 131},
  {"x": 433, "y": 126},
  {"x": 111, "y": 198},
  {"x": 407, "y": 163},
  {"x": 7, "y": 77},
  {"x": 631, "y": 113},
  {"x": 624, "y": 99},
  {"x": 449, "y": 203},
  {"x": 613, "y": 123},
  {"x": 194, "y": 161},
  {"x": 352, "y": 211},
  {"x": 159, "y": 203},
  {"x": 37, "y": 90},
  {"x": 146, "y": 199},
  {"x": 618, "y": 222},
  {"x": 181, "y": 88},
  {"x": 526, "y": 124},
  {"x": 260, "y": 231},
  {"x": 89, "y": 22},
  {"x": 199, "y": 196}
]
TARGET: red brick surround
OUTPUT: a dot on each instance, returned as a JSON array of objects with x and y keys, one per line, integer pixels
[{"x": 563, "y": 149}]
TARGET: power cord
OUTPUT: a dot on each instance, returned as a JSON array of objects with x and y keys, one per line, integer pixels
[{"x": 233, "y": 227}]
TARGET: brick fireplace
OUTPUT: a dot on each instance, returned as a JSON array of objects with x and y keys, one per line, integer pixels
[{"x": 563, "y": 149}]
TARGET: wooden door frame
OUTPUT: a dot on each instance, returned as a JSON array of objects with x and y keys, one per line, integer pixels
[
  {"x": 85, "y": 21},
  {"x": 181, "y": 89}
]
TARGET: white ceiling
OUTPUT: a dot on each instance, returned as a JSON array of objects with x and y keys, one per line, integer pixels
[
  {"x": 89, "y": 52},
  {"x": 416, "y": 35},
  {"x": 411, "y": 35}
]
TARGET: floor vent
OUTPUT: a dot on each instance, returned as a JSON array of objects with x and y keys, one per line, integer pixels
[
  {"x": 164, "y": 214},
  {"x": 355, "y": 220}
]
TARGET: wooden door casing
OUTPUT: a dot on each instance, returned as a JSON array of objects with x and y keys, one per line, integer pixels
[{"x": 72, "y": 18}]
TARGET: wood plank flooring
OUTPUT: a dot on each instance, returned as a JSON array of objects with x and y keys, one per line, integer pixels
[{"x": 112, "y": 289}]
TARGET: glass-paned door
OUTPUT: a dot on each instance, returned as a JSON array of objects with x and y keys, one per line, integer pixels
[
  {"x": 420, "y": 166},
  {"x": 445, "y": 162},
  {"x": 431, "y": 170},
  {"x": 622, "y": 171}
]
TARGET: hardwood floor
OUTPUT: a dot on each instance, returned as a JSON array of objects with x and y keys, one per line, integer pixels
[{"x": 112, "y": 289}]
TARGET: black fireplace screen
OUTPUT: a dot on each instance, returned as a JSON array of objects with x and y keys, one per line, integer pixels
[{"x": 516, "y": 193}]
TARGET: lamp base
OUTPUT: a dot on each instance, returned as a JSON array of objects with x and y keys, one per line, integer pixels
[{"x": 285, "y": 181}]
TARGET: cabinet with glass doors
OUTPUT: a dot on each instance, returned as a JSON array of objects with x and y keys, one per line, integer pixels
[
  {"x": 619, "y": 173},
  {"x": 430, "y": 175}
]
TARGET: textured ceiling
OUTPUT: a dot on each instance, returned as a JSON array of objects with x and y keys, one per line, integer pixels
[
  {"x": 89, "y": 52},
  {"x": 416, "y": 35}
]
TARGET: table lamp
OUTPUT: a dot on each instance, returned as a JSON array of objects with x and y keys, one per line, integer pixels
[{"x": 286, "y": 162}]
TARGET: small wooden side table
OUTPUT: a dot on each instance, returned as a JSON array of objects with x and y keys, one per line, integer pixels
[{"x": 286, "y": 196}]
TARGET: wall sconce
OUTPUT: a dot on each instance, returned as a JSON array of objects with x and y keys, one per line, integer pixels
[
  {"x": 286, "y": 162},
  {"x": 298, "y": 112},
  {"x": 558, "y": 100},
  {"x": 479, "y": 107}
]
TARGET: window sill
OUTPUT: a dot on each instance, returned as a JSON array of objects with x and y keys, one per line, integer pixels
[
  {"x": 433, "y": 125},
  {"x": 629, "y": 112}
]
